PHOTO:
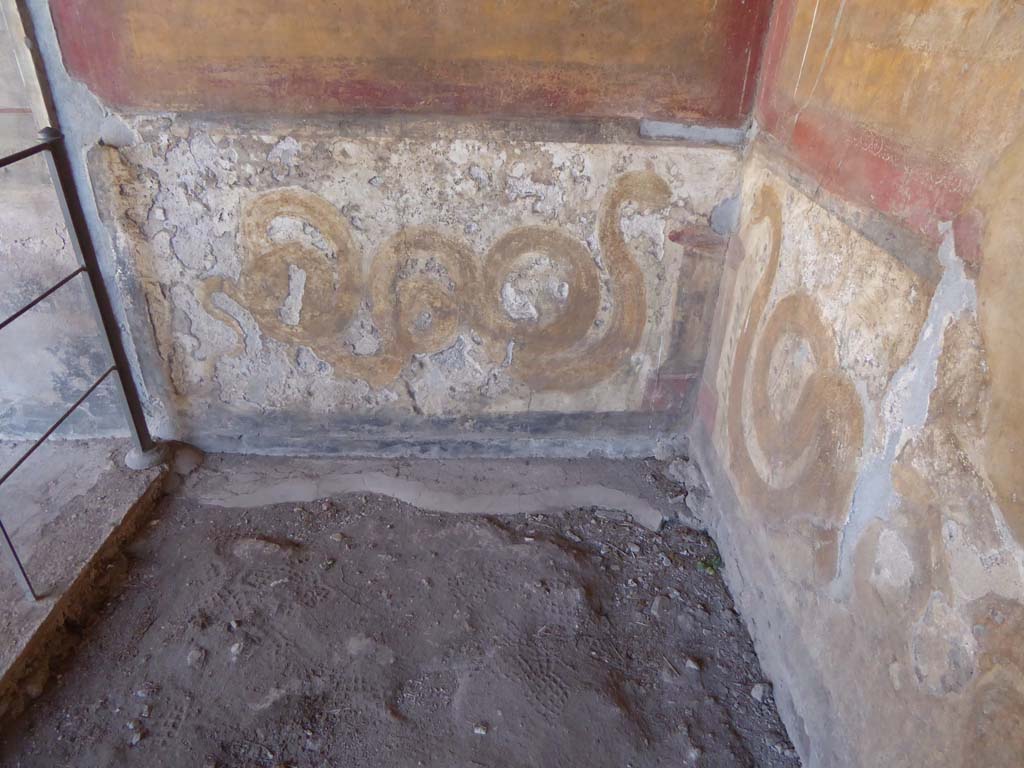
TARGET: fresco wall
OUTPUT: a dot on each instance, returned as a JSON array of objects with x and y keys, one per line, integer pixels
[
  {"x": 301, "y": 263},
  {"x": 861, "y": 414},
  {"x": 695, "y": 60},
  {"x": 373, "y": 278},
  {"x": 899, "y": 107},
  {"x": 395, "y": 285}
]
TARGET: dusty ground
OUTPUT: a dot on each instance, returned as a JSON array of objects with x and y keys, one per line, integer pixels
[{"x": 361, "y": 631}]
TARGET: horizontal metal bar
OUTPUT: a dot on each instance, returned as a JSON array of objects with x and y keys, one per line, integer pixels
[
  {"x": 57, "y": 424},
  {"x": 42, "y": 146},
  {"x": 52, "y": 289}
]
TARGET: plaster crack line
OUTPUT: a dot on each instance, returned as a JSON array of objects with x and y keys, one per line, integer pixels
[
  {"x": 824, "y": 59},
  {"x": 807, "y": 47},
  {"x": 904, "y": 408}
]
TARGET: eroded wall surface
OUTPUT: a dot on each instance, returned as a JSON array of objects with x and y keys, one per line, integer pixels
[
  {"x": 861, "y": 413},
  {"x": 376, "y": 278}
]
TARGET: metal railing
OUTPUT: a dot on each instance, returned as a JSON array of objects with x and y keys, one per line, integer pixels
[{"x": 52, "y": 146}]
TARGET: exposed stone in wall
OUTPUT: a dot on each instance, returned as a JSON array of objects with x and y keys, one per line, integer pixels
[
  {"x": 395, "y": 271},
  {"x": 852, "y": 437}
]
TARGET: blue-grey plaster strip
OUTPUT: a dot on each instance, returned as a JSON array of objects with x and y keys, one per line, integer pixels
[
  {"x": 905, "y": 407},
  {"x": 700, "y": 134}
]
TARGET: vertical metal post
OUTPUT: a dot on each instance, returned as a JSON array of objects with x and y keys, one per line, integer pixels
[{"x": 78, "y": 231}]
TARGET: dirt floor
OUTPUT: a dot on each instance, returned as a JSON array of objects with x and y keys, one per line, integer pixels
[{"x": 362, "y": 631}]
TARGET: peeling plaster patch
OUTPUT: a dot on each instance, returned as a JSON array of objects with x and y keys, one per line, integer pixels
[
  {"x": 276, "y": 376},
  {"x": 517, "y": 305},
  {"x": 792, "y": 364},
  {"x": 571, "y": 164},
  {"x": 362, "y": 337},
  {"x": 458, "y": 371},
  {"x": 645, "y": 232},
  {"x": 894, "y": 565},
  {"x": 287, "y": 228},
  {"x": 462, "y": 151},
  {"x": 292, "y": 306},
  {"x": 725, "y": 217},
  {"x": 285, "y": 151},
  {"x": 382, "y": 186},
  {"x": 904, "y": 408},
  {"x": 309, "y": 363},
  {"x": 253, "y": 337},
  {"x": 943, "y": 648},
  {"x": 974, "y": 573},
  {"x": 535, "y": 289},
  {"x": 547, "y": 197},
  {"x": 115, "y": 132},
  {"x": 895, "y": 675},
  {"x": 479, "y": 175}
]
